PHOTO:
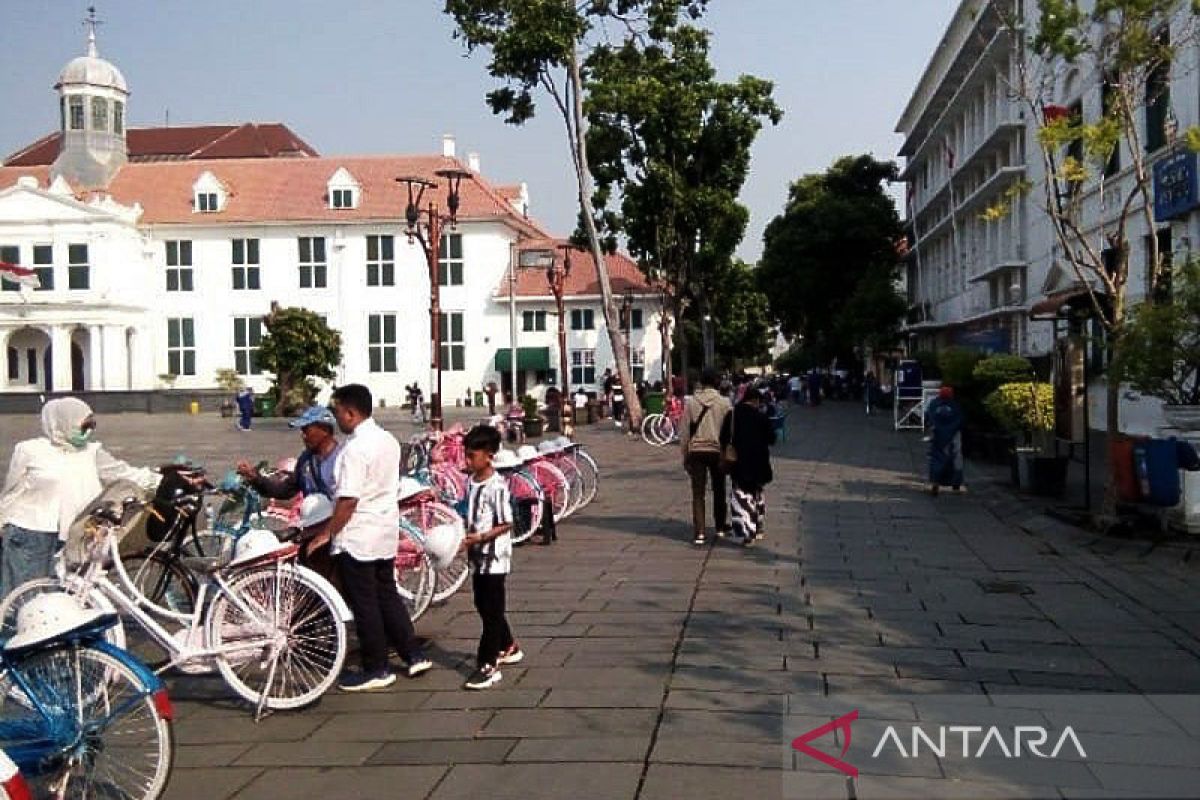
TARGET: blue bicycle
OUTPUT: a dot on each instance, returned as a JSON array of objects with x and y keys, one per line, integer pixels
[{"x": 82, "y": 718}]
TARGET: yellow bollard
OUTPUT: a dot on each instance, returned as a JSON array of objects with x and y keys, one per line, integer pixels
[{"x": 194, "y": 407}]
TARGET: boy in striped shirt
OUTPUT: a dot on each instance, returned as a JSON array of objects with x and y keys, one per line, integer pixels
[{"x": 489, "y": 548}]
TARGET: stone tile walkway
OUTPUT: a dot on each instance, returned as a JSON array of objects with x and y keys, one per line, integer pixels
[{"x": 658, "y": 670}]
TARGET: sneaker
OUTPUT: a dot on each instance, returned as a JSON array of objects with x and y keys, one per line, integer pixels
[
  {"x": 699, "y": 541},
  {"x": 418, "y": 664},
  {"x": 723, "y": 533},
  {"x": 512, "y": 655},
  {"x": 364, "y": 682},
  {"x": 482, "y": 678}
]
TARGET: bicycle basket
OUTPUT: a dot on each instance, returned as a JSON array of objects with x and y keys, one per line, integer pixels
[{"x": 81, "y": 535}]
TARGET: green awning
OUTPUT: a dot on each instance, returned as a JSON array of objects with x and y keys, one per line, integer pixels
[{"x": 533, "y": 358}]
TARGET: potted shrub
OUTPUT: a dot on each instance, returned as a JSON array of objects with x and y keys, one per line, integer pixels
[
  {"x": 988, "y": 375},
  {"x": 230, "y": 382},
  {"x": 533, "y": 420},
  {"x": 1026, "y": 410},
  {"x": 1160, "y": 355}
]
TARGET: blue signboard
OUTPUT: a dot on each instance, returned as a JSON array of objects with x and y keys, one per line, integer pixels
[
  {"x": 992, "y": 340},
  {"x": 1175, "y": 189}
]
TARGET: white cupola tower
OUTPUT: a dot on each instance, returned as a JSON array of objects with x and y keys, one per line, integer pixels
[{"x": 92, "y": 96}]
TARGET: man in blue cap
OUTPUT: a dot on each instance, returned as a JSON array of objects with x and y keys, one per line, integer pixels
[{"x": 313, "y": 473}]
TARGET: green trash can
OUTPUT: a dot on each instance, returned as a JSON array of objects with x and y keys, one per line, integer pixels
[
  {"x": 655, "y": 402},
  {"x": 264, "y": 405}
]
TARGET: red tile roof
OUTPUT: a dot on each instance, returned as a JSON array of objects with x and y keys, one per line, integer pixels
[
  {"x": 623, "y": 273},
  {"x": 250, "y": 140}
]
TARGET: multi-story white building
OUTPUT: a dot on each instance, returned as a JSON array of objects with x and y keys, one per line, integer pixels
[
  {"x": 159, "y": 251},
  {"x": 968, "y": 138}
]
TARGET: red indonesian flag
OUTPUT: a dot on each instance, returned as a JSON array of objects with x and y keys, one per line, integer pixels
[
  {"x": 15, "y": 273},
  {"x": 1054, "y": 113}
]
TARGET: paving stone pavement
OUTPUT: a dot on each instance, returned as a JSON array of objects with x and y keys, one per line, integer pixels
[{"x": 657, "y": 670}]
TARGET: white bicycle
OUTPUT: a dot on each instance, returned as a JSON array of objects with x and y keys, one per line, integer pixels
[{"x": 274, "y": 630}]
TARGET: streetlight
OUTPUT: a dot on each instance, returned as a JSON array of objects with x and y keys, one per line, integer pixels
[
  {"x": 556, "y": 276},
  {"x": 429, "y": 235}
]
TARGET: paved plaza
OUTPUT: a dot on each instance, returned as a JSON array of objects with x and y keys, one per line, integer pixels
[{"x": 655, "y": 669}]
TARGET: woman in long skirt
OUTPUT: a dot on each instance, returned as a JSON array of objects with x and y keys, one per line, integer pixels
[{"x": 752, "y": 436}]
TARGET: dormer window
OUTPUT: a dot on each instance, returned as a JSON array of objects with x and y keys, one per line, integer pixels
[
  {"x": 343, "y": 190},
  {"x": 208, "y": 194}
]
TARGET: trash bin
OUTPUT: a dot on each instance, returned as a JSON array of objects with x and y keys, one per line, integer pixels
[
  {"x": 194, "y": 407},
  {"x": 264, "y": 405},
  {"x": 1156, "y": 462},
  {"x": 479, "y": 399},
  {"x": 655, "y": 401}
]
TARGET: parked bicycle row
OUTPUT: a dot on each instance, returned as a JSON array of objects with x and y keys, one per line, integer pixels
[{"x": 233, "y": 577}]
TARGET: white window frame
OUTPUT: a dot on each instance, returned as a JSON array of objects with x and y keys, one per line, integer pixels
[
  {"x": 45, "y": 271},
  {"x": 452, "y": 342},
  {"x": 248, "y": 329},
  {"x": 450, "y": 268},
  {"x": 316, "y": 269},
  {"x": 637, "y": 364},
  {"x": 583, "y": 319},
  {"x": 343, "y": 199},
  {"x": 533, "y": 321},
  {"x": 384, "y": 268},
  {"x": 75, "y": 267},
  {"x": 583, "y": 363},
  {"x": 247, "y": 268},
  {"x": 382, "y": 348},
  {"x": 178, "y": 255},
  {"x": 181, "y": 346}
]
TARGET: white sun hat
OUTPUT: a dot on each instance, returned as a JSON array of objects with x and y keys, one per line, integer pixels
[
  {"x": 506, "y": 459},
  {"x": 410, "y": 487},
  {"x": 315, "y": 509},
  {"x": 548, "y": 447},
  {"x": 564, "y": 442},
  {"x": 442, "y": 543},
  {"x": 255, "y": 544},
  {"x": 48, "y": 616},
  {"x": 527, "y": 453}
]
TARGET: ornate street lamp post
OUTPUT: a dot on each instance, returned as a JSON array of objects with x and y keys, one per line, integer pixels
[
  {"x": 627, "y": 317},
  {"x": 556, "y": 276},
  {"x": 425, "y": 226}
]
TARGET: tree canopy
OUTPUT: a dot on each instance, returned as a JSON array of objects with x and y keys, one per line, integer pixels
[
  {"x": 829, "y": 261},
  {"x": 298, "y": 346},
  {"x": 669, "y": 146}
]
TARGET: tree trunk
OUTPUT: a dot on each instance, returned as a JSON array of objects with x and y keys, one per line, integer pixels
[
  {"x": 616, "y": 336},
  {"x": 1112, "y": 422}
]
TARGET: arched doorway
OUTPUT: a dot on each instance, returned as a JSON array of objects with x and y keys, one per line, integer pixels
[
  {"x": 27, "y": 361},
  {"x": 80, "y": 348}
]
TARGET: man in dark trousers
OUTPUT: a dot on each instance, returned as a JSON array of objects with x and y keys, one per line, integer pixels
[{"x": 700, "y": 443}]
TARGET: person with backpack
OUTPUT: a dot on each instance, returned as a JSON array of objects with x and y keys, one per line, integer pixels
[{"x": 700, "y": 443}]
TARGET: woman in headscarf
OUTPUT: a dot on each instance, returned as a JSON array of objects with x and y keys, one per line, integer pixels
[
  {"x": 51, "y": 479},
  {"x": 752, "y": 435},
  {"x": 944, "y": 418}
]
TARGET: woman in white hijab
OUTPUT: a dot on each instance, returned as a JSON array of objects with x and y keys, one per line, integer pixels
[{"x": 51, "y": 479}]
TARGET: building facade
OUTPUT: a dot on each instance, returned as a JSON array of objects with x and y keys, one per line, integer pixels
[
  {"x": 159, "y": 251},
  {"x": 990, "y": 281}
]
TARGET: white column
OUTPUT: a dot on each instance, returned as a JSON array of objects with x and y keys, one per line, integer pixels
[
  {"x": 60, "y": 358},
  {"x": 95, "y": 358}
]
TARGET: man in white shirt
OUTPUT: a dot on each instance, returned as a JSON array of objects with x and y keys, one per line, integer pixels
[{"x": 365, "y": 531}]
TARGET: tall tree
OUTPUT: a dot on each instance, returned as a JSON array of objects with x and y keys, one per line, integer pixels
[
  {"x": 669, "y": 146},
  {"x": 541, "y": 45},
  {"x": 743, "y": 322},
  {"x": 298, "y": 346},
  {"x": 1131, "y": 48},
  {"x": 831, "y": 254}
]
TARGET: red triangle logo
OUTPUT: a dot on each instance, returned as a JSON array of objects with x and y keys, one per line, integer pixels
[{"x": 800, "y": 743}]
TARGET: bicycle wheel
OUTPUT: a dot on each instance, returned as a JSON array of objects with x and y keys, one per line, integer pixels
[
  {"x": 449, "y": 481},
  {"x": 427, "y": 516},
  {"x": 81, "y": 718},
  {"x": 527, "y": 500},
  {"x": 649, "y": 432},
  {"x": 664, "y": 431},
  {"x": 294, "y": 643},
  {"x": 21, "y": 595},
  {"x": 554, "y": 484},
  {"x": 566, "y": 465},
  {"x": 415, "y": 575},
  {"x": 162, "y": 581},
  {"x": 590, "y": 474}
]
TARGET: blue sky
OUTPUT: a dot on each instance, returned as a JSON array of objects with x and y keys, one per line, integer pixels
[{"x": 385, "y": 76}]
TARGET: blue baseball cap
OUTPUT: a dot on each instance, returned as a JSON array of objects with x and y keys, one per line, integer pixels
[{"x": 314, "y": 415}]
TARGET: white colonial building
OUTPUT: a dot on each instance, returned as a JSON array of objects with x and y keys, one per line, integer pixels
[
  {"x": 159, "y": 250},
  {"x": 969, "y": 138}
]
